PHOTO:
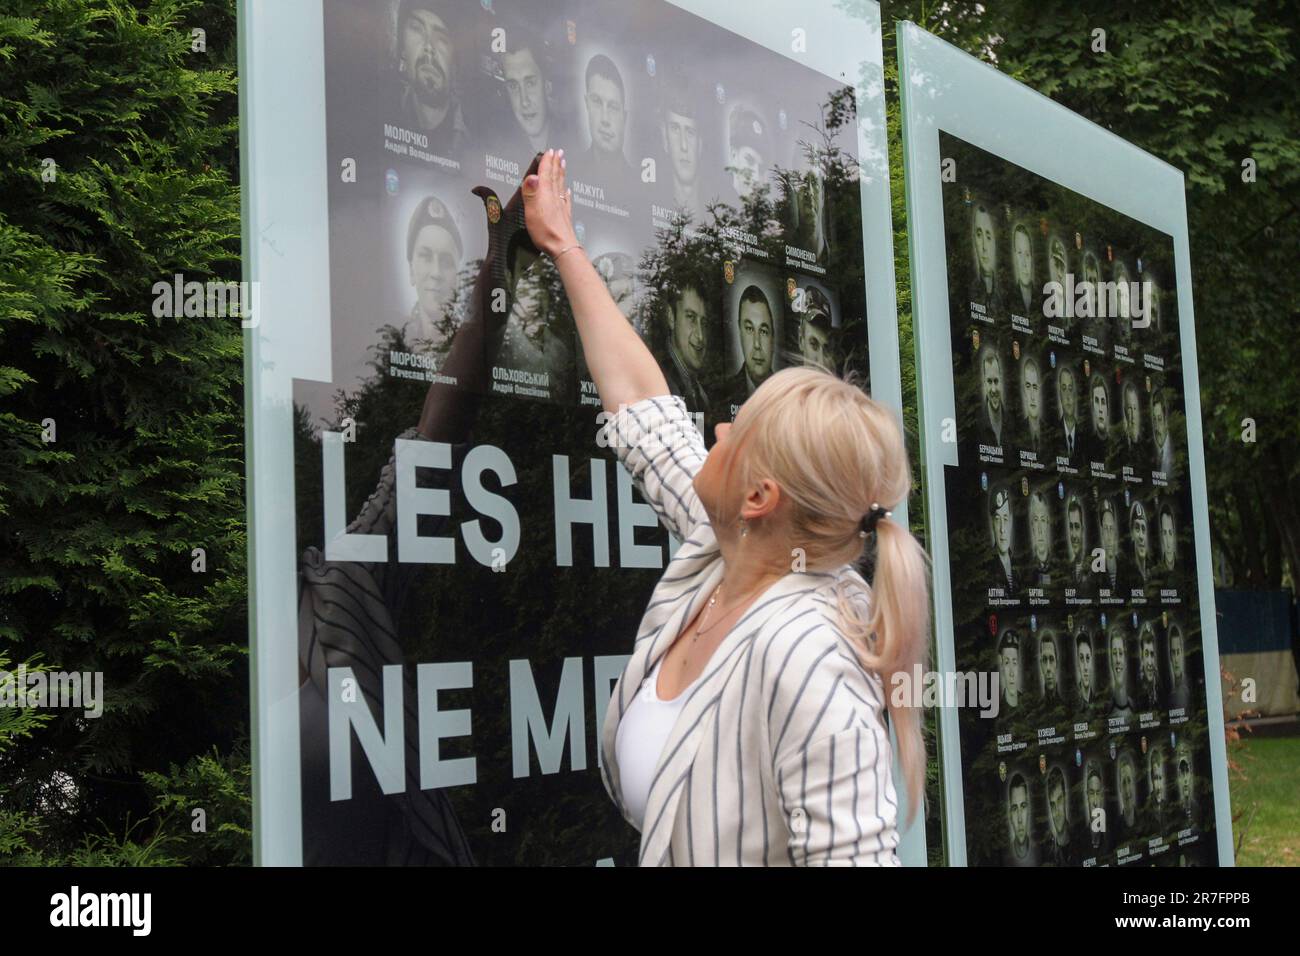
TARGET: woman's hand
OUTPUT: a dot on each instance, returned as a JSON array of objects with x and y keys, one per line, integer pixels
[{"x": 547, "y": 205}]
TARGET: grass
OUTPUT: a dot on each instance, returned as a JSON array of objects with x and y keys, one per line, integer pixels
[{"x": 1267, "y": 787}]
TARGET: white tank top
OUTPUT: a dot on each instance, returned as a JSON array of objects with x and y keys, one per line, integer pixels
[{"x": 640, "y": 740}]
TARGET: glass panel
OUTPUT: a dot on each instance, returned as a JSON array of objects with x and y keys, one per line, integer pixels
[
  {"x": 1063, "y": 474},
  {"x": 719, "y": 186}
]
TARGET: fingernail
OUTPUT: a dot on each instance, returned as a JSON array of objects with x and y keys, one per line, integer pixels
[
  {"x": 564, "y": 163},
  {"x": 560, "y": 154},
  {"x": 549, "y": 152}
]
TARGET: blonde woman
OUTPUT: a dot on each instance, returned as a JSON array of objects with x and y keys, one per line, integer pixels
[{"x": 751, "y": 723}]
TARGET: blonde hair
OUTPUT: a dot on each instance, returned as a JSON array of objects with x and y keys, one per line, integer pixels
[{"x": 835, "y": 452}]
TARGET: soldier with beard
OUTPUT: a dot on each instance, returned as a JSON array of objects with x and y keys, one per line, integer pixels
[
  {"x": 994, "y": 428},
  {"x": 426, "y": 68}
]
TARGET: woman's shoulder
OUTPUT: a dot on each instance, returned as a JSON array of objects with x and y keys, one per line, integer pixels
[
  {"x": 811, "y": 649},
  {"x": 814, "y": 617}
]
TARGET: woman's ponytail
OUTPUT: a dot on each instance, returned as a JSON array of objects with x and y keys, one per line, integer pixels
[{"x": 900, "y": 622}]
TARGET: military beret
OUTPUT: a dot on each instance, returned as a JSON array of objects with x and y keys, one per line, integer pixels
[
  {"x": 431, "y": 211},
  {"x": 748, "y": 129}
]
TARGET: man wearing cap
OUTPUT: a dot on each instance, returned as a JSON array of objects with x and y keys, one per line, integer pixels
[
  {"x": 426, "y": 67},
  {"x": 604, "y": 164},
  {"x": 815, "y": 330},
  {"x": 433, "y": 255},
  {"x": 1001, "y": 573},
  {"x": 747, "y": 151},
  {"x": 1138, "y": 531},
  {"x": 757, "y": 328}
]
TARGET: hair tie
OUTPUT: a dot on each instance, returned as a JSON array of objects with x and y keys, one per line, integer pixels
[{"x": 871, "y": 517}]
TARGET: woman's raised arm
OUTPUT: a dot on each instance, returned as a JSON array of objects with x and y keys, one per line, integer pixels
[{"x": 624, "y": 370}]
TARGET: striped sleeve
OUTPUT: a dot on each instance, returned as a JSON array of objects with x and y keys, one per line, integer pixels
[
  {"x": 836, "y": 798},
  {"x": 831, "y": 756},
  {"x": 657, "y": 442}
]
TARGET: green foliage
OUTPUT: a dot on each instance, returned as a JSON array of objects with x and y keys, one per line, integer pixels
[
  {"x": 219, "y": 785},
  {"x": 147, "y": 461},
  {"x": 1203, "y": 87}
]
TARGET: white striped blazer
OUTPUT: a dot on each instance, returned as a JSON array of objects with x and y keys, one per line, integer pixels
[{"x": 780, "y": 755}]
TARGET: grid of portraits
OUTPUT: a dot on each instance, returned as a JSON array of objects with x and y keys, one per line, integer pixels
[
  {"x": 718, "y": 200},
  {"x": 1070, "y": 535}
]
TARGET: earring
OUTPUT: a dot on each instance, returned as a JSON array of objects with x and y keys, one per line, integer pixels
[{"x": 744, "y": 528}]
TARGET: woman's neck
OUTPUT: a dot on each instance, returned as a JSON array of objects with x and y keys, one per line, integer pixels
[{"x": 747, "y": 576}]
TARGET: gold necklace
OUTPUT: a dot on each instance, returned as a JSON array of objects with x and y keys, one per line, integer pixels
[{"x": 699, "y": 629}]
